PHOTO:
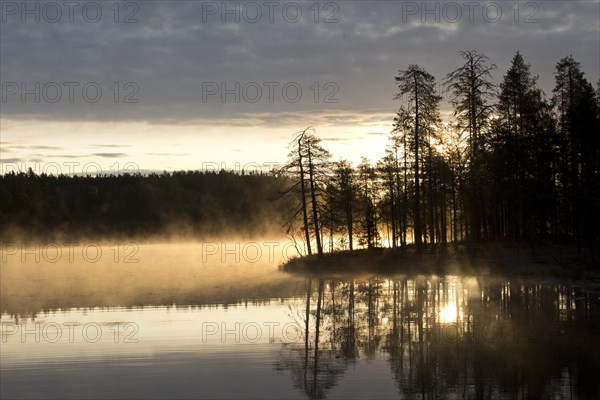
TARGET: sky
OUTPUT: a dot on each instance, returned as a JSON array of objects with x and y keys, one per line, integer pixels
[{"x": 105, "y": 86}]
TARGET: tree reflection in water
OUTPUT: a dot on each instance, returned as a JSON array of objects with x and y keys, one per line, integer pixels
[{"x": 450, "y": 337}]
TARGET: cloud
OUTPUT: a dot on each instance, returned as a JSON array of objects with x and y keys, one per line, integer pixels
[
  {"x": 38, "y": 147},
  {"x": 110, "y": 155},
  {"x": 42, "y": 156},
  {"x": 167, "y": 56},
  {"x": 272, "y": 79},
  {"x": 12, "y": 160},
  {"x": 32, "y": 147}
]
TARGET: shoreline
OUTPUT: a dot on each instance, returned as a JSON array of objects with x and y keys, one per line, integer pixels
[{"x": 557, "y": 261}]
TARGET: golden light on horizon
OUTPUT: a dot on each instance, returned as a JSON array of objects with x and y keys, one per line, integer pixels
[{"x": 182, "y": 146}]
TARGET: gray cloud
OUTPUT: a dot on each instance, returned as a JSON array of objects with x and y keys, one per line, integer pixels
[
  {"x": 34, "y": 147},
  {"x": 37, "y": 147},
  {"x": 110, "y": 155},
  {"x": 44, "y": 156},
  {"x": 170, "y": 52}
]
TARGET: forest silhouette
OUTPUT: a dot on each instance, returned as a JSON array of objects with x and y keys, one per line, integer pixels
[
  {"x": 177, "y": 204},
  {"x": 511, "y": 165}
]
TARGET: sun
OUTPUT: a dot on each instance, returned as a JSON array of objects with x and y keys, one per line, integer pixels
[{"x": 448, "y": 314}]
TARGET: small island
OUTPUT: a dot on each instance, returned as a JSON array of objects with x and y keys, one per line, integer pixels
[{"x": 508, "y": 186}]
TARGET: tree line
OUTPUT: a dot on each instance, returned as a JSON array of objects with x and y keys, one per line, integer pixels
[
  {"x": 135, "y": 205},
  {"x": 512, "y": 165}
]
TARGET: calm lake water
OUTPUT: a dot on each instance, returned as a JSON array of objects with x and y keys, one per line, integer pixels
[{"x": 216, "y": 320}]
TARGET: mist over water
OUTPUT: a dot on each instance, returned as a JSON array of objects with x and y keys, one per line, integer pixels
[
  {"x": 186, "y": 319},
  {"x": 46, "y": 277}
]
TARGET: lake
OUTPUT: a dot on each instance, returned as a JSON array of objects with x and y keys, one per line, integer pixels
[{"x": 220, "y": 320}]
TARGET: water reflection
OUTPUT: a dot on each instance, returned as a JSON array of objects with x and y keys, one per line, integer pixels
[
  {"x": 379, "y": 337},
  {"x": 451, "y": 337}
]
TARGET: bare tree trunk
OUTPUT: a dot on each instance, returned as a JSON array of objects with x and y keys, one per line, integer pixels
[
  {"x": 393, "y": 212},
  {"x": 405, "y": 195},
  {"x": 417, "y": 211},
  {"x": 430, "y": 196},
  {"x": 444, "y": 215},
  {"x": 331, "y": 227},
  {"x": 303, "y": 193},
  {"x": 349, "y": 225},
  {"x": 311, "y": 175}
]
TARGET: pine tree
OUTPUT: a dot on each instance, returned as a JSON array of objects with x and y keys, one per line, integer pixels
[
  {"x": 423, "y": 107},
  {"x": 472, "y": 91}
]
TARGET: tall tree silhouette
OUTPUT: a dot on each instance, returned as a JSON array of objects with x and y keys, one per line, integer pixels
[
  {"x": 345, "y": 183},
  {"x": 317, "y": 158},
  {"x": 307, "y": 164},
  {"x": 401, "y": 138},
  {"x": 296, "y": 168},
  {"x": 388, "y": 171},
  {"x": 366, "y": 182},
  {"x": 522, "y": 120},
  {"x": 577, "y": 107},
  {"x": 472, "y": 91},
  {"x": 422, "y": 101}
]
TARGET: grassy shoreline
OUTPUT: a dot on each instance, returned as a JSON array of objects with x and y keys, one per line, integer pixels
[{"x": 558, "y": 261}]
